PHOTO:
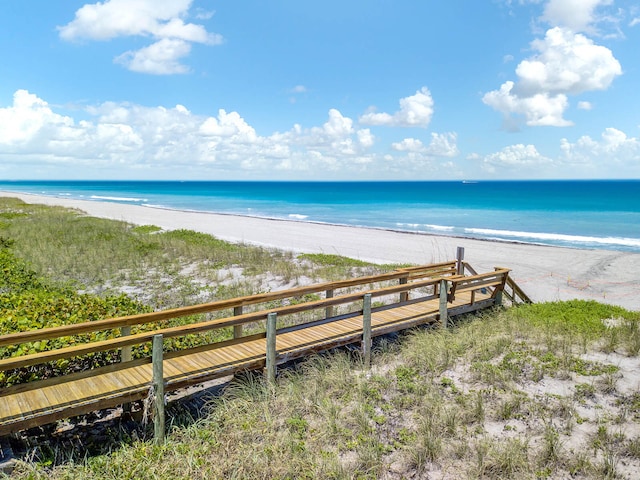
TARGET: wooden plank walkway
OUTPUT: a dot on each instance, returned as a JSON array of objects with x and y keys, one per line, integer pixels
[{"x": 37, "y": 403}]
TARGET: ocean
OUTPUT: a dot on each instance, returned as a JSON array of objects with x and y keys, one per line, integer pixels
[{"x": 601, "y": 214}]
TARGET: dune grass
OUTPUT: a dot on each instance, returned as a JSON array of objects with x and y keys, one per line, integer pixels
[{"x": 162, "y": 269}]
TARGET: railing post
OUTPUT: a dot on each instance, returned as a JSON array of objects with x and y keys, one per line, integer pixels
[
  {"x": 366, "y": 329},
  {"x": 444, "y": 287},
  {"x": 158, "y": 390},
  {"x": 237, "y": 329},
  {"x": 270, "y": 366},
  {"x": 404, "y": 296},
  {"x": 328, "y": 312},
  {"x": 125, "y": 356},
  {"x": 460, "y": 260},
  {"x": 125, "y": 353},
  {"x": 499, "y": 289}
]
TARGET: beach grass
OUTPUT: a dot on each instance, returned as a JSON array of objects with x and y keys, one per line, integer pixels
[
  {"x": 535, "y": 391},
  {"x": 490, "y": 398},
  {"x": 163, "y": 269}
]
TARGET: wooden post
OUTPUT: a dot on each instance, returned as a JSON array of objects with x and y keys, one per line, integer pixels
[
  {"x": 460, "y": 258},
  {"x": 444, "y": 287},
  {"x": 404, "y": 296},
  {"x": 328, "y": 312},
  {"x": 499, "y": 289},
  {"x": 270, "y": 366},
  {"x": 366, "y": 329},
  {"x": 125, "y": 356},
  {"x": 125, "y": 353},
  {"x": 237, "y": 329},
  {"x": 158, "y": 390}
]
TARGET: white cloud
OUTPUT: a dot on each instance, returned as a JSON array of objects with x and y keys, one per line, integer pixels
[
  {"x": 365, "y": 137},
  {"x": 441, "y": 145},
  {"x": 159, "y": 19},
  {"x": 541, "y": 109},
  {"x": 21, "y": 122},
  {"x": 299, "y": 89},
  {"x": 415, "y": 111},
  {"x": 173, "y": 138},
  {"x": 634, "y": 22},
  {"x": 585, "y": 106},
  {"x": 577, "y": 15},
  {"x": 566, "y": 64},
  {"x": 160, "y": 58},
  {"x": 409, "y": 145},
  {"x": 515, "y": 158},
  {"x": 614, "y": 148},
  {"x": 228, "y": 125}
]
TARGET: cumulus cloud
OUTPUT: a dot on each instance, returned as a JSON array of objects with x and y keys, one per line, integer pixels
[
  {"x": 160, "y": 58},
  {"x": 614, "y": 147},
  {"x": 409, "y": 145},
  {"x": 585, "y": 106},
  {"x": 21, "y": 122},
  {"x": 441, "y": 145},
  {"x": 415, "y": 111},
  {"x": 162, "y": 20},
  {"x": 514, "y": 158},
  {"x": 566, "y": 64},
  {"x": 160, "y": 137}
]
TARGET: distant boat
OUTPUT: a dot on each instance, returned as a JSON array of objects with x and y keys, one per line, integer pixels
[{"x": 469, "y": 181}]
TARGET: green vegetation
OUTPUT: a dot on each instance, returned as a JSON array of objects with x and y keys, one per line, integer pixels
[
  {"x": 161, "y": 269},
  {"x": 528, "y": 392},
  {"x": 29, "y": 302}
]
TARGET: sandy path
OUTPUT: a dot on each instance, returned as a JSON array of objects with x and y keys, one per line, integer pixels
[{"x": 545, "y": 273}]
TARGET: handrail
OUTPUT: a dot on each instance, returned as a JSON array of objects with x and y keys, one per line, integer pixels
[
  {"x": 475, "y": 282},
  {"x": 144, "y": 318},
  {"x": 138, "y": 338},
  {"x": 517, "y": 292}
]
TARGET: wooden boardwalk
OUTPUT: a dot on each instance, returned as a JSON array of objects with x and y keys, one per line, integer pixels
[{"x": 407, "y": 297}]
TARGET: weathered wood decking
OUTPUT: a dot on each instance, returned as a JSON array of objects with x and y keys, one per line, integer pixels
[{"x": 404, "y": 298}]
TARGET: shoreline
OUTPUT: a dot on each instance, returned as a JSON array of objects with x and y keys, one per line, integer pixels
[{"x": 546, "y": 273}]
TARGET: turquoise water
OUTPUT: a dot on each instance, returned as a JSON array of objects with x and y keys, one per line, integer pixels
[{"x": 584, "y": 214}]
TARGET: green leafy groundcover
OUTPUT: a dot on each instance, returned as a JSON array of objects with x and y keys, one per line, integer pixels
[{"x": 28, "y": 302}]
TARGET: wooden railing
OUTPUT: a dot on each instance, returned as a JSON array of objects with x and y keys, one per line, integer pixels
[
  {"x": 510, "y": 288},
  {"x": 403, "y": 287}
]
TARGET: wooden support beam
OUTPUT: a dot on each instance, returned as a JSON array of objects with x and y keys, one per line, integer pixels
[
  {"x": 404, "y": 296},
  {"x": 328, "y": 312},
  {"x": 366, "y": 330},
  {"x": 500, "y": 288},
  {"x": 460, "y": 260},
  {"x": 158, "y": 390},
  {"x": 125, "y": 352},
  {"x": 444, "y": 287},
  {"x": 237, "y": 329},
  {"x": 271, "y": 348},
  {"x": 125, "y": 356}
]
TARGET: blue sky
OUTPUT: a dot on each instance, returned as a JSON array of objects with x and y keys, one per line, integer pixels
[{"x": 282, "y": 89}]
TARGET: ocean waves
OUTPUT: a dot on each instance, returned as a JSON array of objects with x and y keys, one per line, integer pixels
[
  {"x": 554, "y": 238},
  {"x": 118, "y": 199}
]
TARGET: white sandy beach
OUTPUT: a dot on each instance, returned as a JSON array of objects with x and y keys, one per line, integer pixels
[{"x": 545, "y": 273}]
